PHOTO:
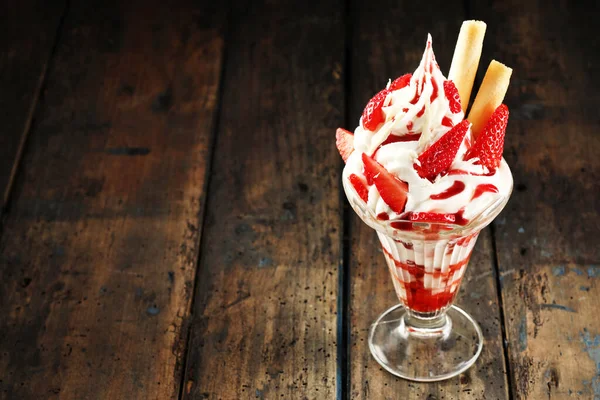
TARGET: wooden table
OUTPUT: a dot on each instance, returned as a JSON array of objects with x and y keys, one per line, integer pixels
[{"x": 173, "y": 222}]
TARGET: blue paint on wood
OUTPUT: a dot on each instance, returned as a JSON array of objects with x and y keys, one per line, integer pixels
[
  {"x": 593, "y": 271},
  {"x": 558, "y": 307},
  {"x": 559, "y": 270},
  {"x": 265, "y": 262},
  {"x": 592, "y": 348},
  {"x": 153, "y": 310},
  {"x": 523, "y": 334},
  {"x": 578, "y": 271}
]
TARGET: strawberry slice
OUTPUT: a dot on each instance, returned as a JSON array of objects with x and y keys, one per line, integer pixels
[
  {"x": 400, "y": 83},
  {"x": 344, "y": 140},
  {"x": 360, "y": 187},
  {"x": 432, "y": 217},
  {"x": 439, "y": 156},
  {"x": 489, "y": 144},
  {"x": 453, "y": 97},
  {"x": 373, "y": 115},
  {"x": 392, "y": 190}
]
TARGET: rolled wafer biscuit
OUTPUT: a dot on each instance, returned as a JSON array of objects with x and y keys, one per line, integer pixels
[
  {"x": 466, "y": 59},
  {"x": 490, "y": 95}
]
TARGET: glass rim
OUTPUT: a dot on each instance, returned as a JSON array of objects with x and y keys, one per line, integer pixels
[{"x": 441, "y": 229}]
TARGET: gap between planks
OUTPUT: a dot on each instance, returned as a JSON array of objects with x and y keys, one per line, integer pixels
[
  {"x": 205, "y": 204},
  {"x": 31, "y": 113},
  {"x": 344, "y": 282}
]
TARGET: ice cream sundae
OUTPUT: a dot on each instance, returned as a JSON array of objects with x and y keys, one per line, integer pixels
[{"x": 426, "y": 177}]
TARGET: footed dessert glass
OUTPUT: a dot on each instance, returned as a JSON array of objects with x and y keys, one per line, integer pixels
[{"x": 425, "y": 338}]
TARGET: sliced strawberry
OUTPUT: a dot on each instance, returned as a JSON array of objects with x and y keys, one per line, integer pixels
[
  {"x": 360, "y": 187},
  {"x": 373, "y": 115},
  {"x": 489, "y": 144},
  {"x": 401, "y": 82},
  {"x": 439, "y": 156},
  {"x": 453, "y": 97},
  {"x": 344, "y": 140},
  {"x": 392, "y": 190},
  {"x": 432, "y": 217}
]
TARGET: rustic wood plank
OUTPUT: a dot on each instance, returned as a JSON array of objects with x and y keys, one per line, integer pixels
[
  {"x": 386, "y": 48},
  {"x": 265, "y": 315},
  {"x": 99, "y": 250},
  {"x": 29, "y": 32},
  {"x": 547, "y": 238}
]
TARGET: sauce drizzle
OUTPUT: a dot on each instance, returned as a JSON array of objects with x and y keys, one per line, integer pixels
[{"x": 453, "y": 190}]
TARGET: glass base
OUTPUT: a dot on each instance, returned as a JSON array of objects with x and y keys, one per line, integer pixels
[{"x": 421, "y": 352}]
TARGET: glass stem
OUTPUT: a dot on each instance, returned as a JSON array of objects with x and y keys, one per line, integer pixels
[{"x": 434, "y": 326}]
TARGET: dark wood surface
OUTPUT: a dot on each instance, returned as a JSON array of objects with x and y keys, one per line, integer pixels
[
  {"x": 265, "y": 312},
  {"x": 30, "y": 28},
  {"x": 174, "y": 226},
  {"x": 100, "y": 241}
]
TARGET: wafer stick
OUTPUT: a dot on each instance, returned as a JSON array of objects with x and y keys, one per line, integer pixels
[
  {"x": 466, "y": 59},
  {"x": 490, "y": 95}
]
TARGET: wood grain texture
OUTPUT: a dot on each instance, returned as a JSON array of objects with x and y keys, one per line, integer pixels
[
  {"x": 547, "y": 238},
  {"x": 382, "y": 50},
  {"x": 29, "y": 30},
  {"x": 265, "y": 315},
  {"x": 99, "y": 249}
]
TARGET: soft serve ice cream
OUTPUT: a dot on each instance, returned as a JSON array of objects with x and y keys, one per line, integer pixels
[
  {"x": 414, "y": 114},
  {"x": 416, "y": 169}
]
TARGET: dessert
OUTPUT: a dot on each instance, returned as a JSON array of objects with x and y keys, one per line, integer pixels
[
  {"x": 427, "y": 179},
  {"x": 414, "y": 158}
]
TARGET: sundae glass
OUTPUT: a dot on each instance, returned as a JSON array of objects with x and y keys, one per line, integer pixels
[{"x": 427, "y": 180}]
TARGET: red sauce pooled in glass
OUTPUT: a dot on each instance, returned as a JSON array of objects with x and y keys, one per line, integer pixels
[{"x": 420, "y": 298}]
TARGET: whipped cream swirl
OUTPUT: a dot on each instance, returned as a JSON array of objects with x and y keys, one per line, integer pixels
[{"x": 416, "y": 116}]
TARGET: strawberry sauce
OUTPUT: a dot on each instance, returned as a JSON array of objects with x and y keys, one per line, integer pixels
[
  {"x": 447, "y": 122},
  {"x": 436, "y": 226},
  {"x": 483, "y": 188},
  {"x": 453, "y": 190},
  {"x": 461, "y": 172},
  {"x": 402, "y": 225},
  {"x": 409, "y": 137},
  {"x": 434, "y": 95},
  {"x": 420, "y": 298},
  {"x": 383, "y": 216}
]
